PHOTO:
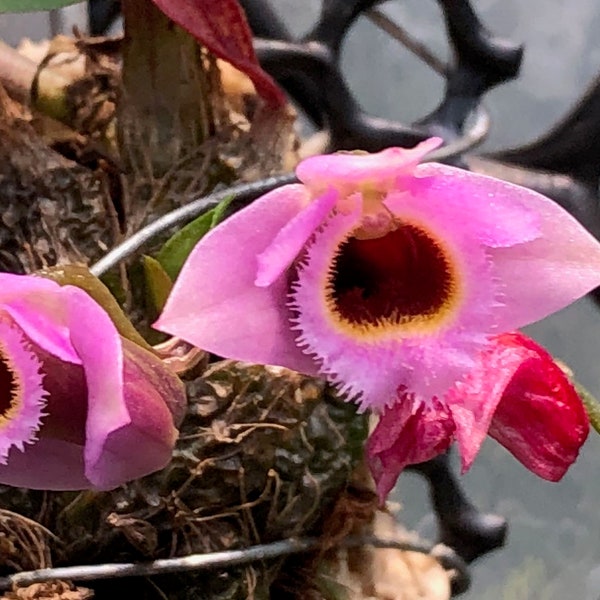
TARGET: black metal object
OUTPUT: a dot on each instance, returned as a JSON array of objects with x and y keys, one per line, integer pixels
[
  {"x": 461, "y": 525},
  {"x": 102, "y": 14},
  {"x": 309, "y": 69}
]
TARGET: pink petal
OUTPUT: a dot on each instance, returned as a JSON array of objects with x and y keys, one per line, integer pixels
[
  {"x": 496, "y": 213},
  {"x": 49, "y": 464},
  {"x": 356, "y": 366},
  {"x": 157, "y": 378},
  {"x": 540, "y": 419},
  {"x": 67, "y": 402},
  {"x": 543, "y": 258},
  {"x": 145, "y": 444},
  {"x": 473, "y": 401},
  {"x": 410, "y": 432},
  {"x": 129, "y": 427},
  {"x": 291, "y": 239},
  {"x": 547, "y": 274},
  {"x": 348, "y": 172},
  {"x": 100, "y": 350},
  {"x": 37, "y": 305},
  {"x": 24, "y": 396},
  {"x": 108, "y": 421},
  {"x": 216, "y": 288},
  {"x": 521, "y": 396},
  {"x": 435, "y": 360},
  {"x": 55, "y": 460}
]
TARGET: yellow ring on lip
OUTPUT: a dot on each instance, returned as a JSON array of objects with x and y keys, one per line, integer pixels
[
  {"x": 406, "y": 282},
  {"x": 10, "y": 384}
]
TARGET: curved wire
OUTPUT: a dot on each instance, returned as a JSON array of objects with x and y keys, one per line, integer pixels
[
  {"x": 449, "y": 560},
  {"x": 244, "y": 194},
  {"x": 476, "y": 133}
]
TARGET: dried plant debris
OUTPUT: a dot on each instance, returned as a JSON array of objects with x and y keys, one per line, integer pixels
[
  {"x": 70, "y": 190},
  {"x": 92, "y": 98},
  {"x": 53, "y": 210},
  {"x": 24, "y": 543},
  {"x": 90, "y": 68},
  {"x": 388, "y": 574},
  {"x": 52, "y": 590},
  {"x": 264, "y": 454}
]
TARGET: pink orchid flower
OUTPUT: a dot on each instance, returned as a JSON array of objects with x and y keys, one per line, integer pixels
[
  {"x": 388, "y": 277},
  {"x": 81, "y": 407}
]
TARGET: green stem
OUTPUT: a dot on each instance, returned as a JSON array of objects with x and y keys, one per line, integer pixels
[{"x": 164, "y": 113}]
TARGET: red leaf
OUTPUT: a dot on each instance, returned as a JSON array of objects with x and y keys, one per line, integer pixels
[
  {"x": 540, "y": 419},
  {"x": 518, "y": 395},
  {"x": 221, "y": 26}
]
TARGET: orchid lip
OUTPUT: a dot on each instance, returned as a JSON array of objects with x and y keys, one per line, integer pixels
[
  {"x": 403, "y": 282},
  {"x": 22, "y": 397},
  {"x": 11, "y": 391}
]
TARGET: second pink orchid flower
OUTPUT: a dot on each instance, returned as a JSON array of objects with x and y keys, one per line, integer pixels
[
  {"x": 392, "y": 279},
  {"x": 80, "y": 407}
]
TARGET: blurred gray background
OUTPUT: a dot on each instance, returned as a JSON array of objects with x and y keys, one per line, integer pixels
[{"x": 553, "y": 551}]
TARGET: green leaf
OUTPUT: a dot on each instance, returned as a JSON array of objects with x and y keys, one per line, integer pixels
[
  {"x": 33, "y": 5},
  {"x": 592, "y": 406},
  {"x": 158, "y": 282},
  {"x": 176, "y": 249}
]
